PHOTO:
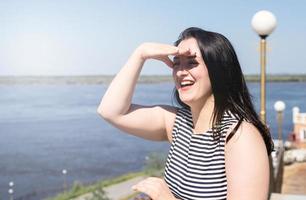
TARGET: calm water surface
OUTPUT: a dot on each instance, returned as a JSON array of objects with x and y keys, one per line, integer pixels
[{"x": 47, "y": 128}]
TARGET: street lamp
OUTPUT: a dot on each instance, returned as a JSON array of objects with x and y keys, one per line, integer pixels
[
  {"x": 263, "y": 22},
  {"x": 64, "y": 172},
  {"x": 279, "y": 107},
  {"x": 11, "y": 190}
]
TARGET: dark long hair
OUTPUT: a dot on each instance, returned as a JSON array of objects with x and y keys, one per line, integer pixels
[{"x": 227, "y": 81}]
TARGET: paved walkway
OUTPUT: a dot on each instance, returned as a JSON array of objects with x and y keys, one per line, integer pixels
[
  {"x": 275, "y": 196},
  {"x": 294, "y": 179},
  {"x": 117, "y": 191}
]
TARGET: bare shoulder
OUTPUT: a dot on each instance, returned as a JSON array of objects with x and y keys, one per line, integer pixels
[
  {"x": 169, "y": 113},
  {"x": 246, "y": 140},
  {"x": 246, "y": 134},
  {"x": 247, "y": 164}
]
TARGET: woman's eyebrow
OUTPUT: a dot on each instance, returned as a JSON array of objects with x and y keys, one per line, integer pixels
[
  {"x": 192, "y": 57},
  {"x": 188, "y": 57}
]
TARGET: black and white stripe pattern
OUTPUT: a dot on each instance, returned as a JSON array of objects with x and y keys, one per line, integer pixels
[{"x": 195, "y": 167}]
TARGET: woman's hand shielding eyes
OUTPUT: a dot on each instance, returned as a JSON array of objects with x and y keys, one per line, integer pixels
[{"x": 160, "y": 52}]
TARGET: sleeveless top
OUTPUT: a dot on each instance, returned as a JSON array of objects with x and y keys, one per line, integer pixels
[{"x": 195, "y": 166}]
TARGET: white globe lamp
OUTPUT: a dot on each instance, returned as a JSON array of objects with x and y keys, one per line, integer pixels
[{"x": 264, "y": 23}]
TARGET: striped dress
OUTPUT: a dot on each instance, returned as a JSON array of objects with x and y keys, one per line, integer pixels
[{"x": 195, "y": 167}]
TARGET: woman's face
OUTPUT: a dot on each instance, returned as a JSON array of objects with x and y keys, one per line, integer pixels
[{"x": 190, "y": 74}]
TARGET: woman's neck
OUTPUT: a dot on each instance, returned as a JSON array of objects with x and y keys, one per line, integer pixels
[{"x": 202, "y": 114}]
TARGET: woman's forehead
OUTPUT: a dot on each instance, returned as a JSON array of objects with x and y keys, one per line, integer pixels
[{"x": 190, "y": 43}]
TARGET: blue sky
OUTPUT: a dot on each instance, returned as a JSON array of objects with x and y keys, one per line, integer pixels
[{"x": 93, "y": 37}]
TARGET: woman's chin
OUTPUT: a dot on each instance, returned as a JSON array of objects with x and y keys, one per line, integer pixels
[{"x": 186, "y": 100}]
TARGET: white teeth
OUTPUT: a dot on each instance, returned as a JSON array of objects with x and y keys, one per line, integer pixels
[{"x": 184, "y": 83}]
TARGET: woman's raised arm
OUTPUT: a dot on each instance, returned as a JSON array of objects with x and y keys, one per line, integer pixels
[{"x": 149, "y": 122}]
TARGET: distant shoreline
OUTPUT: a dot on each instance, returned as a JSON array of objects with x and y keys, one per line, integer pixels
[{"x": 106, "y": 79}]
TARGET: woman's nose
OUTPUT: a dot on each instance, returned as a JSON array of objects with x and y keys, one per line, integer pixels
[{"x": 181, "y": 71}]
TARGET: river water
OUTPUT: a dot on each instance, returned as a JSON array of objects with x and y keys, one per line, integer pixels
[{"x": 47, "y": 128}]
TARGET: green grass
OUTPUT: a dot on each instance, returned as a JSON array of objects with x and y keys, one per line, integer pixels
[{"x": 79, "y": 189}]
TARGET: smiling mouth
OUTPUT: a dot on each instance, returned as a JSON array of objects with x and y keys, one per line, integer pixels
[{"x": 185, "y": 85}]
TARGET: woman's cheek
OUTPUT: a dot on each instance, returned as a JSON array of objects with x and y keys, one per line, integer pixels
[{"x": 174, "y": 78}]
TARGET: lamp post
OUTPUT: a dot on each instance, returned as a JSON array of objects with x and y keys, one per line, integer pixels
[
  {"x": 11, "y": 193},
  {"x": 279, "y": 107},
  {"x": 64, "y": 172},
  {"x": 263, "y": 22},
  {"x": 11, "y": 190}
]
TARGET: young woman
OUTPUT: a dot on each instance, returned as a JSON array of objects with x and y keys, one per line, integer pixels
[{"x": 219, "y": 147}]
